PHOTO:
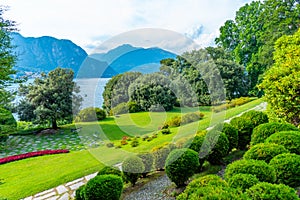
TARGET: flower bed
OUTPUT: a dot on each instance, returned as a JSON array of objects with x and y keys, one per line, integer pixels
[{"x": 31, "y": 154}]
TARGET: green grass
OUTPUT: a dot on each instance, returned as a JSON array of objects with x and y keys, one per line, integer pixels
[{"x": 30, "y": 176}]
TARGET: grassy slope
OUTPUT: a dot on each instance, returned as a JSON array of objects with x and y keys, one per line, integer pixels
[{"x": 26, "y": 177}]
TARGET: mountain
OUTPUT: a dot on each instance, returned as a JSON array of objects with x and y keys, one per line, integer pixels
[
  {"x": 43, "y": 54},
  {"x": 128, "y": 58}
]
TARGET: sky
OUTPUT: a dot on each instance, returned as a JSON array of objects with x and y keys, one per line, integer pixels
[{"x": 90, "y": 23}]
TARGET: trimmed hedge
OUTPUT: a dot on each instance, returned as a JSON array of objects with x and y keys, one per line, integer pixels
[
  {"x": 230, "y": 132},
  {"x": 181, "y": 164},
  {"x": 256, "y": 117},
  {"x": 289, "y": 139},
  {"x": 259, "y": 168},
  {"x": 242, "y": 181},
  {"x": 287, "y": 169},
  {"x": 132, "y": 168},
  {"x": 110, "y": 170},
  {"x": 104, "y": 187},
  {"x": 263, "y": 131},
  {"x": 244, "y": 127},
  {"x": 219, "y": 148},
  {"x": 79, "y": 194},
  {"x": 160, "y": 155},
  {"x": 90, "y": 114},
  {"x": 265, "y": 152},
  {"x": 148, "y": 160},
  {"x": 268, "y": 191}
]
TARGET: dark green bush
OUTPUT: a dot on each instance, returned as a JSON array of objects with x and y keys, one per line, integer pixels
[
  {"x": 166, "y": 131},
  {"x": 121, "y": 108},
  {"x": 289, "y": 139},
  {"x": 79, "y": 194},
  {"x": 132, "y": 168},
  {"x": 110, "y": 170},
  {"x": 256, "y": 117},
  {"x": 201, "y": 147},
  {"x": 219, "y": 146},
  {"x": 133, "y": 107},
  {"x": 8, "y": 124},
  {"x": 231, "y": 132},
  {"x": 244, "y": 127},
  {"x": 259, "y": 168},
  {"x": 242, "y": 181},
  {"x": 181, "y": 164},
  {"x": 110, "y": 145},
  {"x": 160, "y": 155},
  {"x": 263, "y": 131},
  {"x": 287, "y": 169},
  {"x": 134, "y": 143},
  {"x": 156, "y": 108},
  {"x": 148, "y": 160},
  {"x": 104, "y": 187},
  {"x": 268, "y": 191},
  {"x": 264, "y": 152},
  {"x": 191, "y": 117},
  {"x": 90, "y": 114}
]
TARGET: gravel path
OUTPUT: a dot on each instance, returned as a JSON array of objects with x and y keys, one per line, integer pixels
[{"x": 152, "y": 190}]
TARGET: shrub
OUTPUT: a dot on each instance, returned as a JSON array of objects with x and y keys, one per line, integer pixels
[
  {"x": 110, "y": 170},
  {"x": 104, "y": 187},
  {"x": 230, "y": 132},
  {"x": 145, "y": 137},
  {"x": 181, "y": 164},
  {"x": 256, "y": 117},
  {"x": 264, "y": 152},
  {"x": 174, "y": 121},
  {"x": 242, "y": 181},
  {"x": 199, "y": 146},
  {"x": 135, "y": 143},
  {"x": 8, "y": 124},
  {"x": 259, "y": 168},
  {"x": 289, "y": 139},
  {"x": 110, "y": 145},
  {"x": 124, "y": 142},
  {"x": 90, "y": 114},
  {"x": 132, "y": 168},
  {"x": 219, "y": 145},
  {"x": 244, "y": 128},
  {"x": 148, "y": 161},
  {"x": 268, "y": 191},
  {"x": 191, "y": 117},
  {"x": 166, "y": 131},
  {"x": 79, "y": 194},
  {"x": 287, "y": 169},
  {"x": 156, "y": 108},
  {"x": 233, "y": 103},
  {"x": 121, "y": 108},
  {"x": 160, "y": 155},
  {"x": 263, "y": 131},
  {"x": 133, "y": 107}
]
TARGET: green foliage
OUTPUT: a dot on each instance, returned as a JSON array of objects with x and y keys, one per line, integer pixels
[
  {"x": 244, "y": 128},
  {"x": 134, "y": 143},
  {"x": 79, "y": 194},
  {"x": 148, "y": 161},
  {"x": 242, "y": 181},
  {"x": 132, "y": 168},
  {"x": 104, "y": 187},
  {"x": 259, "y": 168},
  {"x": 219, "y": 146},
  {"x": 289, "y": 139},
  {"x": 268, "y": 191},
  {"x": 166, "y": 131},
  {"x": 256, "y": 117},
  {"x": 152, "y": 89},
  {"x": 54, "y": 96},
  {"x": 174, "y": 121},
  {"x": 160, "y": 155},
  {"x": 231, "y": 104},
  {"x": 181, "y": 164},
  {"x": 230, "y": 132},
  {"x": 191, "y": 117},
  {"x": 25, "y": 111},
  {"x": 280, "y": 83},
  {"x": 264, "y": 152},
  {"x": 90, "y": 115},
  {"x": 8, "y": 124},
  {"x": 121, "y": 108},
  {"x": 287, "y": 168},
  {"x": 133, "y": 107},
  {"x": 263, "y": 131},
  {"x": 110, "y": 170}
]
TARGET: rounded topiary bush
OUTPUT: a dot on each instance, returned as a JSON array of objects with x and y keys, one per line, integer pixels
[
  {"x": 268, "y": 191},
  {"x": 110, "y": 170},
  {"x": 230, "y": 132},
  {"x": 263, "y": 131},
  {"x": 132, "y": 168},
  {"x": 160, "y": 155},
  {"x": 287, "y": 169},
  {"x": 104, "y": 187},
  {"x": 244, "y": 127},
  {"x": 90, "y": 114},
  {"x": 79, "y": 194},
  {"x": 256, "y": 117},
  {"x": 259, "y": 168},
  {"x": 148, "y": 160},
  {"x": 219, "y": 148},
  {"x": 264, "y": 151},
  {"x": 8, "y": 124},
  {"x": 242, "y": 181},
  {"x": 181, "y": 164},
  {"x": 289, "y": 139}
]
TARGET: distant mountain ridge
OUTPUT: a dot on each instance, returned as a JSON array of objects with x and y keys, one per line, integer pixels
[{"x": 43, "y": 54}]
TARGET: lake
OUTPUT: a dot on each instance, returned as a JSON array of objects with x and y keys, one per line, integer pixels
[{"x": 91, "y": 90}]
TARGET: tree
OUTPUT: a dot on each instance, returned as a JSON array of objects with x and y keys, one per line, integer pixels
[
  {"x": 251, "y": 36},
  {"x": 281, "y": 82},
  {"x": 7, "y": 57},
  {"x": 52, "y": 96}
]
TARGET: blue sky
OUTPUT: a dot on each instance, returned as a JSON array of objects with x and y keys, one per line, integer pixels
[{"x": 89, "y": 23}]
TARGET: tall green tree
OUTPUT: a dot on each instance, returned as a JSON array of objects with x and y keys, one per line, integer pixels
[
  {"x": 250, "y": 37},
  {"x": 281, "y": 82},
  {"x": 54, "y": 97},
  {"x": 7, "y": 57}
]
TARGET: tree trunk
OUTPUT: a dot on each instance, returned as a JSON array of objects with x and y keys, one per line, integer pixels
[{"x": 54, "y": 124}]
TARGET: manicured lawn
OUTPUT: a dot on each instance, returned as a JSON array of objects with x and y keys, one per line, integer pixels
[{"x": 30, "y": 176}]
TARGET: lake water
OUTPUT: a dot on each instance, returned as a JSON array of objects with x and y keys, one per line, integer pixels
[{"x": 90, "y": 89}]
